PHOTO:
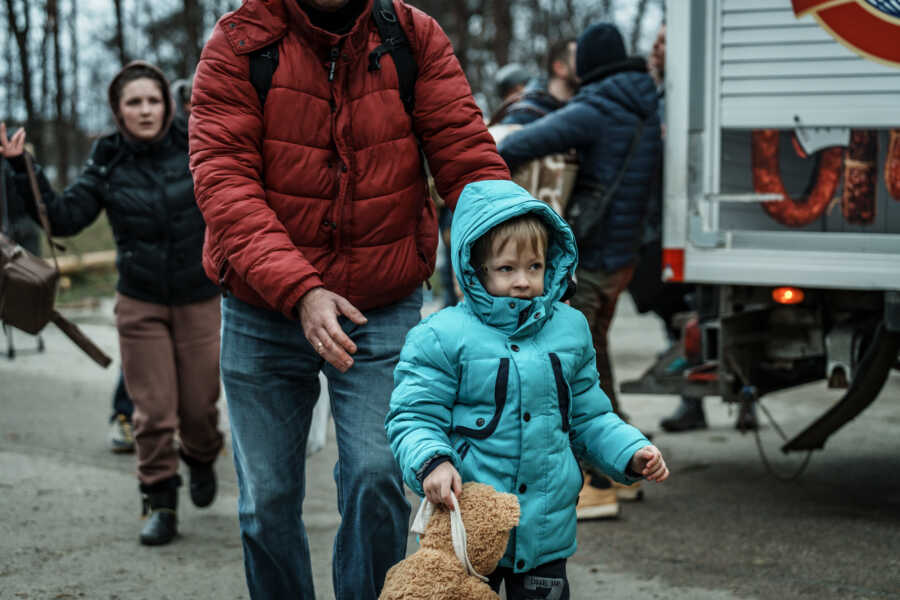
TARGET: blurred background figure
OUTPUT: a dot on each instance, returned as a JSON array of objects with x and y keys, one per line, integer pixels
[
  {"x": 121, "y": 431},
  {"x": 510, "y": 80},
  {"x": 543, "y": 95},
  {"x": 16, "y": 222},
  {"x": 19, "y": 227},
  {"x": 167, "y": 310},
  {"x": 181, "y": 92}
]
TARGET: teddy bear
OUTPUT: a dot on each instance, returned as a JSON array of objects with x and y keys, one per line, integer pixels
[{"x": 434, "y": 571}]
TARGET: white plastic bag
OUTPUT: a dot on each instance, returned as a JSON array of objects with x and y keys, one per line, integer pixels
[{"x": 318, "y": 427}]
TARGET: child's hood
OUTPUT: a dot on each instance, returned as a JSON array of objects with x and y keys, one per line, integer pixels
[{"x": 485, "y": 204}]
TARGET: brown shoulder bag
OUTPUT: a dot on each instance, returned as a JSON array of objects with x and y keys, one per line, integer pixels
[{"x": 28, "y": 283}]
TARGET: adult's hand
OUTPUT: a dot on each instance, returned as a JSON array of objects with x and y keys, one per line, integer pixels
[
  {"x": 12, "y": 147},
  {"x": 319, "y": 311}
]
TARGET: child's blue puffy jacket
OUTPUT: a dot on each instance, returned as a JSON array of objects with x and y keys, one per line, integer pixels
[{"x": 508, "y": 388}]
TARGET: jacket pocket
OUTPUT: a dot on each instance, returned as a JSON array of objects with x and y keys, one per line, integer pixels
[
  {"x": 482, "y": 431},
  {"x": 224, "y": 271}
]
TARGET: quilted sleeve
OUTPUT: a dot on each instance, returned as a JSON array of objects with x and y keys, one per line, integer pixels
[
  {"x": 572, "y": 126},
  {"x": 226, "y": 133},
  {"x": 418, "y": 421},
  {"x": 73, "y": 210},
  {"x": 448, "y": 122}
]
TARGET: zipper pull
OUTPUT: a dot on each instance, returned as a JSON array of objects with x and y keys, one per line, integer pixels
[{"x": 335, "y": 53}]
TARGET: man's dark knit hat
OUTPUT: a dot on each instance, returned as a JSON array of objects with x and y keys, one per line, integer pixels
[{"x": 599, "y": 45}]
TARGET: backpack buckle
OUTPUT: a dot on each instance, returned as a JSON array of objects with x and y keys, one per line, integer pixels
[{"x": 375, "y": 56}]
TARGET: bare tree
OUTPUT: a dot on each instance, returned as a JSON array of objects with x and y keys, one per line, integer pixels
[
  {"x": 8, "y": 79},
  {"x": 503, "y": 31},
  {"x": 21, "y": 35},
  {"x": 193, "y": 28},
  {"x": 74, "y": 65},
  {"x": 60, "y": 127},
  {"x": 119, "y": 38},
  {"x": 638, "y": 24},
  {"x": 607, "y": 9},
  {"x": 43, "y": 61}
]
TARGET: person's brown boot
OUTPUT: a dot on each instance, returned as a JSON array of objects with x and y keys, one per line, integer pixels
[
  {"x": 597, "y": 499},
  {"x": 628, "y": 493}
]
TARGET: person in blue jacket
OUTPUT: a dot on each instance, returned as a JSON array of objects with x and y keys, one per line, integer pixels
[{"x": 502, "y": 388}]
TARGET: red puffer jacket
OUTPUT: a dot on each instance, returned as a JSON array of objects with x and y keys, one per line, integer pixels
[{"x": 325, "y": 186}]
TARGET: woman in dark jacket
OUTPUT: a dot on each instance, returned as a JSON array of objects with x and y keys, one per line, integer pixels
[{"x": 167, "y": 311}]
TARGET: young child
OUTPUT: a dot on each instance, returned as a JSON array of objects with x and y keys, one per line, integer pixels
[{"x": 502, "y": 389}]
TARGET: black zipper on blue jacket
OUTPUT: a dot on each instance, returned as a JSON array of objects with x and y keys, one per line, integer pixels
[
  {"x": 562, "y": 392},
  {"x": 463, "y": 449},
  {"x": 500, "y": 388}
]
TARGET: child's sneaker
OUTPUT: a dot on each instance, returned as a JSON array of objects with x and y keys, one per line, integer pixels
[
  {"x": 597, "y": 499},
  {"x": 121, "y": 438}
]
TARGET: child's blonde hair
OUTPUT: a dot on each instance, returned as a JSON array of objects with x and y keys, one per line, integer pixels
[{"x": 528, "y": 228}]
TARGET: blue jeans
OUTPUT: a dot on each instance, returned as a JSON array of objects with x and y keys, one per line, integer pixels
[
  {"x": 270, "y": 373},
  {"x": 122, "y": 404}
]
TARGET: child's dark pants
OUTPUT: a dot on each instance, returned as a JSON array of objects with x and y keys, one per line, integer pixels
[{"x": 545, "y": 582}]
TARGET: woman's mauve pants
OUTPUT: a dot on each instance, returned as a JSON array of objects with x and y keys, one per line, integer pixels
[{"x": 170, "y": 358}]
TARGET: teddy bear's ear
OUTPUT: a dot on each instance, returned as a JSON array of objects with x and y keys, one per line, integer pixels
[{"x": 507, "y": 511}]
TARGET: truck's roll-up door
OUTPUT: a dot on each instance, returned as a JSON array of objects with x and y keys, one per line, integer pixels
[{"x": 772, "y": 67}]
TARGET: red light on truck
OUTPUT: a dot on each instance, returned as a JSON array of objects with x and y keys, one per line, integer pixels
[
  {"x": 788, "y": 295},
  {"x": 673, "y": 264}
]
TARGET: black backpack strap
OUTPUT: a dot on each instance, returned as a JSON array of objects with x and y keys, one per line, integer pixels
[
  {"x": 263, "y": 63},
  {"x": 395, "y": 42},
  {"x": 593, "y": 214}
]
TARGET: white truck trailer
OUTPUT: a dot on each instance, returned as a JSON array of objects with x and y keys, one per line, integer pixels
[{"x": 796, "y": 259}]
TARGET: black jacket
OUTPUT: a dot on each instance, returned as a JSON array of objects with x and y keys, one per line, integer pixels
[
  {"x": 600, "y": 122},
  {"x": 148, "y": 194}
]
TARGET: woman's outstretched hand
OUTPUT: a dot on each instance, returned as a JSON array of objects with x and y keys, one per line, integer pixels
[{"x": 12, "y": 147}]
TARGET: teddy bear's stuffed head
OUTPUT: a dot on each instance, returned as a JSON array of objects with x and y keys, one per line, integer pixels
[{"x": 488, "y": 516}]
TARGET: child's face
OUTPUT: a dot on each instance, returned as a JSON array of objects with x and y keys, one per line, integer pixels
[{"x": 515, "y": 268}]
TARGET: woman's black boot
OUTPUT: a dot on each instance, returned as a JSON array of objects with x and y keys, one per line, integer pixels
[
  {"x": 203, "y": 480},
  {"x": 160, "y": 503}
]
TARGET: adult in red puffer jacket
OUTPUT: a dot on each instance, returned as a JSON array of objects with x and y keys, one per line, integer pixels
[{"x": 316, "y": 209}]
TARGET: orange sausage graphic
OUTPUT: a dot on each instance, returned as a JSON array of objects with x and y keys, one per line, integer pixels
[{"x": 767, "y": 180}]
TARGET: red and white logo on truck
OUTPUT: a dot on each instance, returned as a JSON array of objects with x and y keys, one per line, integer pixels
[{"x": 870, "y": 28}]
